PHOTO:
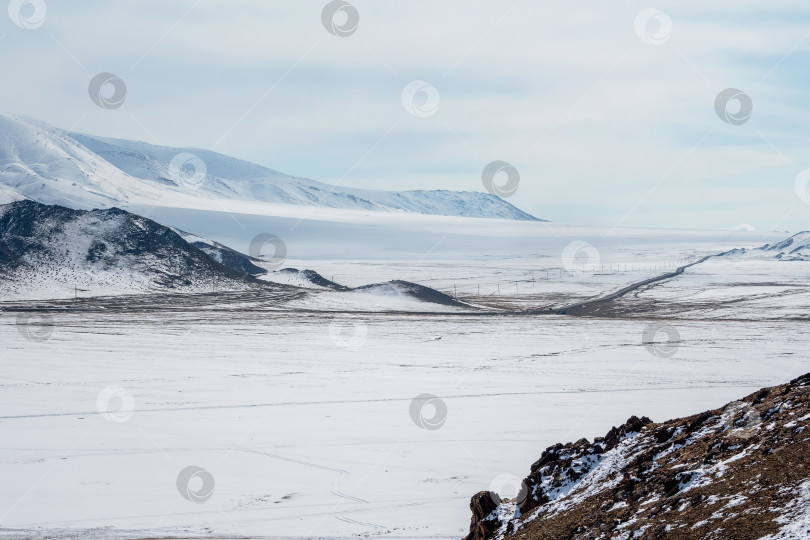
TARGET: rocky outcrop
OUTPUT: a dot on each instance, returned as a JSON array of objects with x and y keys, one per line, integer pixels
[
  {"x": 485, "y": 522},
  {"x": 742, "y": 471},
  {"x": 566, "y": 464}
]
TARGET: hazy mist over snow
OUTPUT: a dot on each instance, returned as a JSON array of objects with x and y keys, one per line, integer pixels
[{"x": 604, "y": 127}]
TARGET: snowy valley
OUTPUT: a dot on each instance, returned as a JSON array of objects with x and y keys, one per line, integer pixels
[
  {"x": 458, "y": 270},
  {"x": 238, "y": 362}
]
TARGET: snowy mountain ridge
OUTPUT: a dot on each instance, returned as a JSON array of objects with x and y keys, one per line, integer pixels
[
  {"x": 795, "y": 248},
  {"x": 53, "y": 251},
  {"x": 50, "y": 252},
  {"x": 81, "y": 171}
]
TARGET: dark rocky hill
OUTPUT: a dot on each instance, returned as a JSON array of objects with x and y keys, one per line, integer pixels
[
  {"x": 739, "y": 472},
  {"x": 50, "y": 251},
  {"x": 231, "y": 258}
]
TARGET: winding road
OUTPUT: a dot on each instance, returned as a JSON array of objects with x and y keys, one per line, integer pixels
[{"x": 589, "y": 306}]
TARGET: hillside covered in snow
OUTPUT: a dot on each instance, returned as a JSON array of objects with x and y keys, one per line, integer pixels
[
  {"x": 795, "y": 248},
  {"x": 80, "y": 171},
  {"x": 52, "y": 252},
  {"x": 49, "y": 252}
]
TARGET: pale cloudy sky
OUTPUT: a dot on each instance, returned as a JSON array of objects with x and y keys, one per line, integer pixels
[{"x": 607, "y": 109}]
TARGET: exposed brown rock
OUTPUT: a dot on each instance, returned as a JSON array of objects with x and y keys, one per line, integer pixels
[
  {"x": 484, "y": 520},
  {"x": 739, "y": 472}
]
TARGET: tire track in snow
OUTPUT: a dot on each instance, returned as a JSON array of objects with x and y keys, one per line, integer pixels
[
  {"x": 383, "y": 400},
  {"x": 343, "y": 495}
]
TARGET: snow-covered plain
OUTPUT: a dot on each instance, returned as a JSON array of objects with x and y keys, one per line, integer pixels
[
  {"x": 508, "y": 264},
  {"x": 760, "y": 283},
  {"x": 304, "y": 422},
  {"x": 302, "y": 412}
]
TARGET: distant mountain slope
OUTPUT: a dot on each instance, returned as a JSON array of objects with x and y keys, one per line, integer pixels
[
  {"x": 739, "y": 472},
  {"x": 82, "y": 171},
  {"x": 303, "y": 278},
  {"x": 9, "y": 195},
  {"x": 224, "y": 255},
  {"x": 234, "y": 178},
  {"x": 44, "y": 164},
  {"x": 400, "y": 288},
  {"x": 795, "y": 248},
  {"x": 47, "y": 251}
]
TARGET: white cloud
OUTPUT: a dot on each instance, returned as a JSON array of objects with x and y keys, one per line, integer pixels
[
  {"x": 602, "y": 126},
  {"x": 744, "y": 227}
]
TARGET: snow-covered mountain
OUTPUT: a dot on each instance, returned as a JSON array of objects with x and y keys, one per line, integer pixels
[
  {"x": 52, "y": 251},
  {"x": 47, "y": 165},
  {"x": 80, "y": 171},
  {"x": 795, "y": 248},
  {"x": 224, "y": 255},
  {"x": 307, "y": 279}
]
